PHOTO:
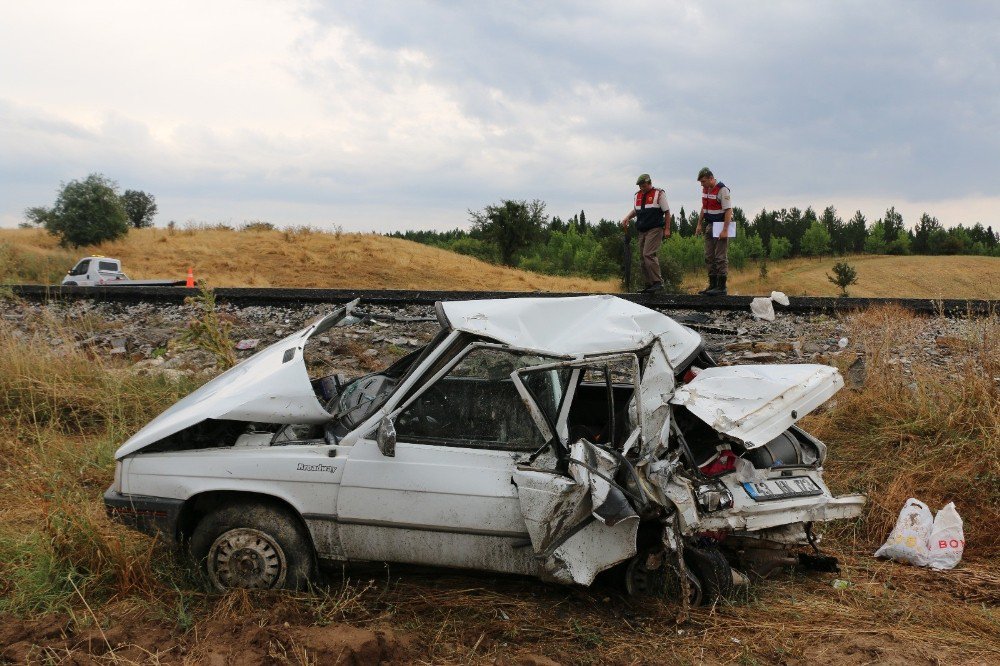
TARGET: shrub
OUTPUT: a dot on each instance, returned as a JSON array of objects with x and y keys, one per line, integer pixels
[
  {"x": 208, "y": 331},
  {"x": 843, "y": 276},
  {"x": 257, "y": 225}
]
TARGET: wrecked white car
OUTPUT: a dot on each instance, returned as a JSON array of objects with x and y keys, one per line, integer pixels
[{"x": 550, "y": 437}]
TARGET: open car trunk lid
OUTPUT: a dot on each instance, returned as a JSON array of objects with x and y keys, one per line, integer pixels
[
  {"x": 756, "y": 403},
  {"x": 272, "y": 386}
]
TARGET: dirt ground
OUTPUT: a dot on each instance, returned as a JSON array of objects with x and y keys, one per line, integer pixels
[{"x": 889, "y": 614}]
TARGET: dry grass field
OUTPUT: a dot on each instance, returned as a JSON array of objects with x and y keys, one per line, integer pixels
[
  {"x": 294, "y": 258},
  {"x": 76, "y": 588},
  {"x": 878, "y": 276}
]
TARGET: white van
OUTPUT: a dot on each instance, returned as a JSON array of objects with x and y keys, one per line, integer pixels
[{"x": 91, "y": 271}]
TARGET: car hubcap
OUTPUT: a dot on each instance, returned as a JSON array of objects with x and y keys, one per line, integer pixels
[{"x": 247, "y": 558}]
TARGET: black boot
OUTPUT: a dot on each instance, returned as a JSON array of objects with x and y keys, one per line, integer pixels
[
  {"x": 653, "y": 288},
  {"x": 711, "y": 285},
  {"x": 720, "y": 287}
]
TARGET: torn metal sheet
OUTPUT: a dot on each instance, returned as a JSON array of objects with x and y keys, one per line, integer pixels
[
  {"x": 655, "y": 390},
  {"x": 578, "y": 526},
  {"x": 756, "y": 403}
]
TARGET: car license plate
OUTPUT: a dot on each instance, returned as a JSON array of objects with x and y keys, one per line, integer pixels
[{"x": 776, "y": 489}]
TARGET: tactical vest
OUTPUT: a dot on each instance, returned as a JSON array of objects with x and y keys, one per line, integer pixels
[
  {"x": 648, "y": 214},
  {"x": 711, "y": 207}
]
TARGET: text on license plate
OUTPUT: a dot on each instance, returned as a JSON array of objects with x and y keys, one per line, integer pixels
[{"x": 774, "y": 489}]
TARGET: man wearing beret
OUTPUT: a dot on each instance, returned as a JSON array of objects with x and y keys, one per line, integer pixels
[
  {"x": 716, "y": 220},
  {"x": 652, "y": 215}
]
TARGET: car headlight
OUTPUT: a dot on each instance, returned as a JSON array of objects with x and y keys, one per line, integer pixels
[{"x": 117, "y": 485}]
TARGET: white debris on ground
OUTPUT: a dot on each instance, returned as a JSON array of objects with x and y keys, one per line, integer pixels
[{"x": 763, "y": 306}]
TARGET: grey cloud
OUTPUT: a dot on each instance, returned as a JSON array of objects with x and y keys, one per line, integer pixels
[{"x": 567, "y": 101}]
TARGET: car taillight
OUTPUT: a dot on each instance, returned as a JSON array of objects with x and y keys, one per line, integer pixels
[{"x": 720, "y": 464}]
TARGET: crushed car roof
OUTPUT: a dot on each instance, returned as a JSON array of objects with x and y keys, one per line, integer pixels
[{"x": 572, "y": 326}]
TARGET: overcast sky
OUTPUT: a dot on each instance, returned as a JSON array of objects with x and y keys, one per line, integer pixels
[{"x": 393, "y": 115}]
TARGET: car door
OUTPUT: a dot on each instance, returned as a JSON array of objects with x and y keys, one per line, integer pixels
[
  {"x": 446, "y": 497},
  {"x": 579, "y": 523}
]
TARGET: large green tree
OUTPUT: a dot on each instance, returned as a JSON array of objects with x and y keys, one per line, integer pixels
[
  {"x": 511, "y": 225},
  {"x": 140, "y": 208},
  {"x": 86, "y": 211}
]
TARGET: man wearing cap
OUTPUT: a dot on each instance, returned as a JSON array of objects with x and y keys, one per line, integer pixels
[
  {"x": 652, "y": 215},
  {"x": 716, "y": 219}
]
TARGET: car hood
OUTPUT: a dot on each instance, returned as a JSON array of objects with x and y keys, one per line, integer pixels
[
  {"x": 272, "y": 386},
  {"x": 756, "y": 403}
]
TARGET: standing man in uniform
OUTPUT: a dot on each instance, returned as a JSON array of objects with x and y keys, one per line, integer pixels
[
  {"x": 716, "y": 220},
  {"x": 652, "y": 215}
]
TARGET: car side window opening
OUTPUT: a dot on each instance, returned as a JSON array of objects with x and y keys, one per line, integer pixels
[
  {"x": 600, "y": 411},
  {"x": 80, "y": 268},
  {"x": 477, "y": 405},
  {"x": 109, "y": 266}
]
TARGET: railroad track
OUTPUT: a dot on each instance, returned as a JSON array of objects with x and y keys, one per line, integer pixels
[{"x": 663, "y": 302}]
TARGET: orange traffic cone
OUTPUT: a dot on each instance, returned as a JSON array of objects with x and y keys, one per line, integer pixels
[{"x": 190, "y": 280}]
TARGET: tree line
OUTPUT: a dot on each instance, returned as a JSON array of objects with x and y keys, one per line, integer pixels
[{"x": 520, "y": 234}]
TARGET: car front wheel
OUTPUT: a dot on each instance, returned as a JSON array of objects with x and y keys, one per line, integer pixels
[{"x": 254, "y": 546}]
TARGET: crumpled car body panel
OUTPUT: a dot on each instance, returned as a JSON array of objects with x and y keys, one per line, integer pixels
[
  {"x": 581, "y": 525},
  {"x": 572, "y": 327},
  {"x": 272, "y": 386},
  {"x": 756, "y": 403}
]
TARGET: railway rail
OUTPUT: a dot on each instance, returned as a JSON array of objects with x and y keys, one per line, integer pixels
[{"x": 662, "y": 302}]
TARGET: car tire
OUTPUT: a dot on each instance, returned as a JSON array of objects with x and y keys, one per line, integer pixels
[
  {"x": 69, "y": 284},
  {"x": 715, "y": 576},
  {"x": 255, "y": 546}
]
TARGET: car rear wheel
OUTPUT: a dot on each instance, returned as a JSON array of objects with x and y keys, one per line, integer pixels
[
  {"x": 709, "y": 576},
  {"x": 253, "y": 546},
  {"x": 714, "y": 575}
]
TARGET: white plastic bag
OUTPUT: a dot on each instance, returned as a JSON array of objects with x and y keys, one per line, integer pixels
[
  {"x": 947, "y": 539},
  {"x": 762, "y": 308},
  {"x": 780, "y": 298},
  {"x": 908, "y": 541}
]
